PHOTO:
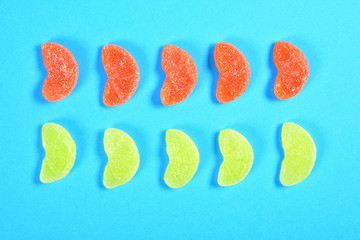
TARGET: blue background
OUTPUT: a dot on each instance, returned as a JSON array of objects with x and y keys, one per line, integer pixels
[{"x": 324, "y": 206}]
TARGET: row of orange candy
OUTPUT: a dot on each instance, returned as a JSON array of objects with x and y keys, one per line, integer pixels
[{"x": 181, "y": 73}]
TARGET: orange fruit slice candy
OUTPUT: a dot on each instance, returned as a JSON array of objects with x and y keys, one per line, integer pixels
[
  {"x": 181, "y": 75},
  {"x": 234, "y": 72},
  {"x": 293, "y": 70},
  {"x": 123, "y": 75},
  {"x": 62, "y": 70}
]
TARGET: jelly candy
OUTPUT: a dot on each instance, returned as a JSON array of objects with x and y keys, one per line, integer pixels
[
  {"x": 183, "y": 158},
  {"x": 62, "y": 70},
  {"x": 234, "y": 72},
  {"x": 60, "y": 152},
  {"x": 181, "y": 75},
  {"x": 123, "y": 75},
  {"x": 300, "y": 154},
  {"x": 123, "y": 158},
  {"x": 238, "y": 157},
  {"x": 293, "y": 70}
]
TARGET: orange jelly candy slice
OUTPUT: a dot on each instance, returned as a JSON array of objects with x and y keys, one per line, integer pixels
[
  {"x": 181, "y": 75},
  {"x": 293, "y": 70},
  {"x": 123, "y": 75},
  {"x": 234, "y": 72},
  {"x": 62, "y": 70}
]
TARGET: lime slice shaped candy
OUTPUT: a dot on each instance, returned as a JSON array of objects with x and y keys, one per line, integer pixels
[
  {"x": 60, "y": 152},
  {"x": 238, "y": 157},
  {"x": 183, "y": 158},
  {"x": 300, "y": 154},
  {"x": 123, "y": 158}
]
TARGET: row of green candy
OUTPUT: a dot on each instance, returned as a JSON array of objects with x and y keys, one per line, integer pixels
[{"x": 123, "y": 156}]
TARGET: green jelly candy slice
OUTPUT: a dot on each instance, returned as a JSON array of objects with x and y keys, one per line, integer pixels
[
  {"x": 238, "y": 157},
  {"x": 300, "y": 154},
  {"x": 60, "y": 152},
  {"x": 183, "y": 158},
  {"x": 123, "y": 158}
]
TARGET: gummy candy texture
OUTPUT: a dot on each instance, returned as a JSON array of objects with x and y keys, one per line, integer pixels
[
  {"x": 181, "y": 75},
  {"x": 234, "y": 72},
  {"x": 238, "y": 157},
  {"x": 123, "y": 75},
  {"x": 62, "y": 70},
  {"x": 183, "y": 158},
  {"x": 123, "y": 157},
  {"x": 300, "y": 154},
  {"x": 60, "y": 153},
  {"x": 293, "y": 70}
]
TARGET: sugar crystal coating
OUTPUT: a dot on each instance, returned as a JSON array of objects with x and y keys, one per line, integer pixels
[
  {"x": 123, "y": 75},
  {"x": 60, "y": 153},
  {"x": 234, "y": 72},
  {"x": 300, "y": 154},
  {"x": 293, "y": 70},
  {"x": 181, "y": 75},
  {"x": 62, "y": 70},
  {"x": 123, "y": 157},
  {"x": 238, "y": 157},
  {"x": 183, "y": 158}
]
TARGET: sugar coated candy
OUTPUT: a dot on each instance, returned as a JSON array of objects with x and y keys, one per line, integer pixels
[
  {"x": 123, "y": 75},
  {"x": 62, "y": 70},
  {"x": 234, "y": 72},
  {"x": 60, "y": 152},
  {"x": 300, "y": 154},
  {"x": 183, "y": 158},
  {"x": 181, "y": 75},
  {"x": 123, "y": 158},
  {"x": 238, "y": 157},
  {"x": 293, "y": 70}
]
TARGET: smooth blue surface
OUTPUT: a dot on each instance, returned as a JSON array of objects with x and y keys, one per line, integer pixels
[{"x": 324, "y": 206}]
